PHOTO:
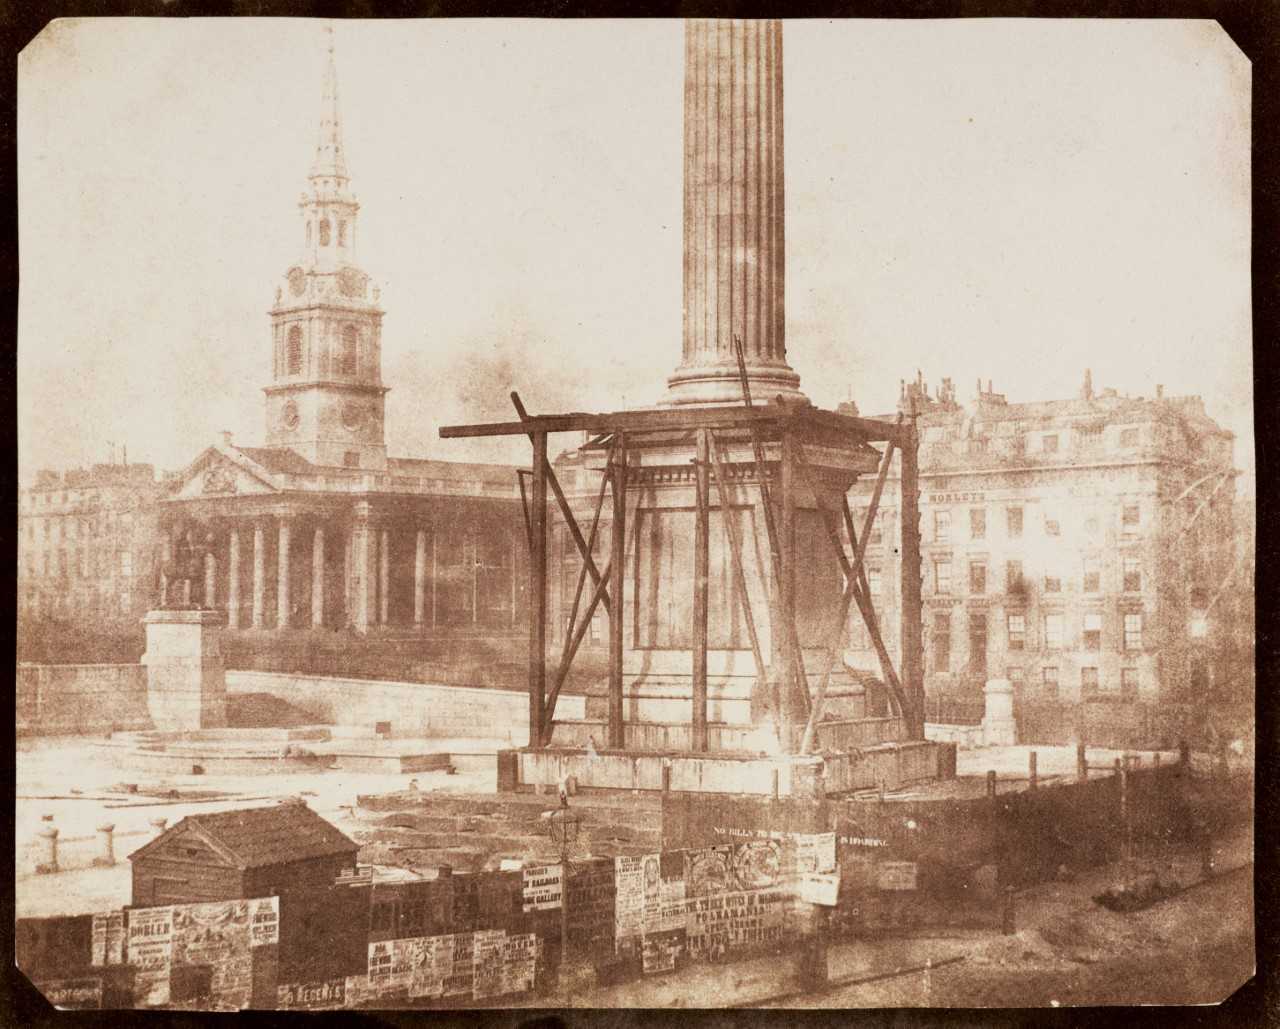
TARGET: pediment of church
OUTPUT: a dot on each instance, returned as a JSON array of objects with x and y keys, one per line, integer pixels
[{"x": 214, "y": 474}]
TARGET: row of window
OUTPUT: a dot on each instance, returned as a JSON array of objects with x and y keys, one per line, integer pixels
[
  {"x": 1130, "y": 522},
  {"x": 1090, "y": 681},
  {"x": 348, "y": 351},
  {"x": 60, "y": 604},
  {"x": 80, "y": 563},
  {"x": 57, "y": 529},
  {"x": 1016, "y": 635},
  {"x": 1015, "y": 582},
  {"x": 1049, "y": 443}
]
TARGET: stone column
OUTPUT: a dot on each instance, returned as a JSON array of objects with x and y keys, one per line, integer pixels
[
  {"x": 364, "y": 570},
  {"x": 282, "y": 572},
  {"x": 348, "y": 586},
  {"x": 734, "y": 245},
  {"x": 999, "y": 729},
  {"x": 317, "y": 577},
  {"x": 106, "y": 845},
  {"x": 210, "y": 581},
  {"x": 233, "y": 579},
  {"x": 259, "y": 573},
  {"x": 420, "y": 578},
  {"x": 384, "y": 574},
  {"x": 47, "y": 850}
]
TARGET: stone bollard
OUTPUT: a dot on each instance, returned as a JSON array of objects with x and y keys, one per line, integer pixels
[
  {"x": 106, "y": 846},
  {"x": 47, "y": 850},
  {"x": 1031, "y": 770},
  {"x": 1082, "y": 763},
  {"x": 991, "y": 783}
]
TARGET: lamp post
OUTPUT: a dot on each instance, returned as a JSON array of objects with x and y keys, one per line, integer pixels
[{"x": 563, "y": 825}]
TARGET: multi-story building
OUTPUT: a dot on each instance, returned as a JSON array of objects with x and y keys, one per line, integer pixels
[
  {"x": 88, "y": 552},
  {"x": 1070, "y": 546}
]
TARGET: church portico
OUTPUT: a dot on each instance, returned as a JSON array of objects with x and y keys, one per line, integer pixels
[{"x": 319, "y": 530}]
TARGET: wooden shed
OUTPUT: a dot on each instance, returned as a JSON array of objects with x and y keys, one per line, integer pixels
[{"x": 257, "y": 852}]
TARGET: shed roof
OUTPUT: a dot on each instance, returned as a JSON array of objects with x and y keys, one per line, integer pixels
[{"x": 257, "y": 837}]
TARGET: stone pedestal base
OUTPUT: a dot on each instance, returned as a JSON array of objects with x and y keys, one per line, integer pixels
[
  {"x": 998, "y": 726},
  {"x": 186, "y": 684}
]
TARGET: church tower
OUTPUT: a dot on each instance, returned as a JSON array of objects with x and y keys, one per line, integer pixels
[{"x": 326, "y": 398}]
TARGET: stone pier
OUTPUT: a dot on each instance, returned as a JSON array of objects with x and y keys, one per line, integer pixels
[{"x": 186, "y": 686}]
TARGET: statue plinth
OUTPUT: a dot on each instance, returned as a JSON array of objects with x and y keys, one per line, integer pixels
[
  {"x": 186, "y": 681},
  {"x": 658, "y": 591}
]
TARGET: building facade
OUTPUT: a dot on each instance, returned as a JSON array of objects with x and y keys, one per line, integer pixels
[
  {"x": 88, "y": 556},
  {"x": 1071, "y": 546}
]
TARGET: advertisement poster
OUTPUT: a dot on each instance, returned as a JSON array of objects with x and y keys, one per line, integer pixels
[
  {"x": 150, "y": 950},
  {"x": 435, "y": 966},
  {"x": 72, "y": 994},
  {"x": 488, "y": 963},
  {"x": 742, "y": 919},
  {"x": 107, "y": 946},
  {"x": 519, "y": 963},
  {"x": 264, "y": 918},
  {"x": 460, "y": 982},
  {"x": 896, "y": 875},
  {"x": 357, "y": 991},
  {"x": 591, "y": 906},
  {"x": 542, "y": 887},
  {"x": 815, "y": 852},
  {"x": 708, "y": 871},
  {"x": 651, "y": 909},
  {"x": 757, "y": 865},
  {"x": 217, "y": 935},
  {"x": 819, "y": 888},
  {"x": 629, "y": 901},
  {"x": 312, "y": 996}
]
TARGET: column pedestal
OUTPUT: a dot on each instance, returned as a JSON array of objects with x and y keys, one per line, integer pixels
[
  {"x": 186, "y": 684},
  {"x": 999, "y": 729}
]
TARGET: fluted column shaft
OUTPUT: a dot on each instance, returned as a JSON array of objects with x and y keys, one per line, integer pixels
[
  {"x": 233, "y": 579},
  {"x": 282, "y": 573},
  {"x": 420, "y": 578},
  {"x": 259, "y": 573},
  {"x": 317, "y": 577},
  {"x": 384, "y": 574},
  {"x": 734, "y": 240}
]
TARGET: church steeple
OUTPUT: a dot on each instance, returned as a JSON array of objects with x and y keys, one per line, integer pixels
[
  {"x": 330, "y": 162},
  {"x": 325, "y": 400}
]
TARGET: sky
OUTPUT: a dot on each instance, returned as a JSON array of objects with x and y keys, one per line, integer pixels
[{"x": 1011, "y": 200}]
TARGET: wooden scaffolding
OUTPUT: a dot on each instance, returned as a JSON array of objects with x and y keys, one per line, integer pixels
[{"x": 785, "y": 427}]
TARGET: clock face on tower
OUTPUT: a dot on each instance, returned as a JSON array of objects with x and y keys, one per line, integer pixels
[
  {"x": 350, "y": 282},
  {"x": 289, "y": 417},
  {"x": 297, "y": 281},
  {"x": 352, "y": 415}
]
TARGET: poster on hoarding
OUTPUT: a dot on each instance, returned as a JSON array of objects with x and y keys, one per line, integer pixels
[
  {"x": 708, "y": 871},
  {"x": 150, "y": 950},
  {"x": 264, "y": 919},
  {"x": 757, "y": 865},
  {"x": 436, "y": 965},
  {"x": 660, "y": 950},
  {"x": 216, "y": 935},
  {"x": 819, "y": 888},
  {"x": 460, "y": 982},
  {"x": 488, "y": 961},
  {"x": 71, "y": 994},
  {"x": 107, "y": 939},
  {"x": 896, "y": 875},
  {"x": 629, "y": 900},
  {"x": 519, "y": 963},
  {"x": 735, "y": 920},
  {"x": 815, "y": 852},
  {"x": 322, "y": 996},
  {"x": 543, "y": 887}
]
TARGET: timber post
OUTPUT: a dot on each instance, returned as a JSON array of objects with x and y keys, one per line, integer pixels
[
  {"x": 701, "y": 576},
  {"x": 912, "y": 632},
  {"x": 618, "y": 545},
  {"x": 538, "y": 592}
]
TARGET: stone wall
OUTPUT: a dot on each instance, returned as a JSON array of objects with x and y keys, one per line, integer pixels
[
  {"x": 412, "y": 709},
  {"x": 54, "y": 700}
]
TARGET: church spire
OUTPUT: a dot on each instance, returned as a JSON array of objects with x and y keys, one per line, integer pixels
[{"x": 330, "y": 162}]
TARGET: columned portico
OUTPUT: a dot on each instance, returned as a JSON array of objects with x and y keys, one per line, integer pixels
[
  {"x": 259, "y": 573},
  {"x": 233, "y": 578},
  {"x": 420, "y": 577},
  {"x": 282, "y": 572},
  {"x": 317, "y": 577}
]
